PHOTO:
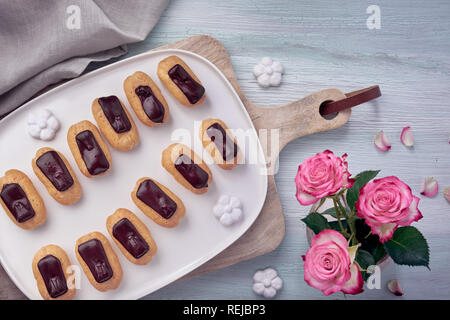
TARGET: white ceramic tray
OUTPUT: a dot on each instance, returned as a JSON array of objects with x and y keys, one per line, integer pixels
[{"x": 198, "y": 238}]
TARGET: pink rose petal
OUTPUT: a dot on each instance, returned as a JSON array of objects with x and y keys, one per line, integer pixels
[
  {"x": 384, "y": 231},
  {"x": 406, "y": 137},
  {"x": 447, "y": 194},
  {"x": 394, "y": 287},
  {"x": 414, "y": 213},
  {"x": 329, "y": 235},
  {"x": 356, "y": 282},
  {"x": 381, "y": 141},
  {"x": 306, "y": 199},
  {"x": 430, "y": 187}
]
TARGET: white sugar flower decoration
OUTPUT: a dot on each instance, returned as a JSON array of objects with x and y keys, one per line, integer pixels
[
  {"x": 267, "y": 283},
  {"x": 42, "y": 124},
  {"x": 268, "y": 72},
  {"x": 228, "y": 210},
  {"x": 447, "y": 194}
]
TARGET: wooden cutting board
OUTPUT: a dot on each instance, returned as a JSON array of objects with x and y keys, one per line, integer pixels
[{"x": 285, "y": 123}]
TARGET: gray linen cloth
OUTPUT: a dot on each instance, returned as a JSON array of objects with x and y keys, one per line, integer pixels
[{"x": 43, "y": 42}]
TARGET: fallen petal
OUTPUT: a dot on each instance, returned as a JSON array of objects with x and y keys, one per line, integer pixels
[
  {"x": 394, "y": 287},
  {"x": 447, "y": 194},
  {"x": 430, "y": 187},
  {"x": 381, "y": 141},
  {"x": 406, "y": 137}
]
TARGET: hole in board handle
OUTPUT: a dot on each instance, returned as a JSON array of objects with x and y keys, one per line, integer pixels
[{"x": 327, "y": 116}]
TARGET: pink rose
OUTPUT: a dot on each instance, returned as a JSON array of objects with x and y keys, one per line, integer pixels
[
  {"x": 386, "y": 204},
  {"x": 329, "y": 266},
  {"x": 320, "y": 176}
]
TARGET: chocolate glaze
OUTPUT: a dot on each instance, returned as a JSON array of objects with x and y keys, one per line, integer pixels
[
  {"x": 152, "y": 195},
  {"x": 125, "y": 232},
  {"x": 53, "y": 276},
  {"x": 192, "y": 89},
  {"x": 92, "y": 153},
  {"x": 17, "y": 202},
  {"x": 54, "y": 168},
  {"x": 223, "y": 142},
  {"x": 114, "y": 112},
  {"x": 94, "y": 255},
  {"x": 153, "y": 108},
  {"x": 192, "y": 172}
]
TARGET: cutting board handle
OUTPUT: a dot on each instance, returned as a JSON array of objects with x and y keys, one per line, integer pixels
[{"x": 299, "y": 118}]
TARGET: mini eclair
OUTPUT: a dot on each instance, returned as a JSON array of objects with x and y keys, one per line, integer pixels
[
  {"x": 132, "y": 236},
  {"x": 158, "y": 203},
  {"x": 181, "y": 81},
  {"x": 89, "y": 149},
  {"x": 146, "y": 99},
  {"x": 187, "y": 168},
  {"x": 53, "y": 170},
  {"x": 21, "y": 201},
  {"x": 52, "y": 271},
  {"x": 220, "y": 144},
  {"x": 99, "y": 261},
  {"x": 115, "y": 123}
]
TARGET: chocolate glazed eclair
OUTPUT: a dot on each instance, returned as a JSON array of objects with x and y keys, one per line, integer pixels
[
  {"x": 89, "y": 149},
  {"x": 146, "y": 99},
  {"x": 21, "y": 201},
  {"x": 99, "y": 261},
  {"x": 220, "y": 144},
  {"x": 187, "y": 168},
  {"x": 115, "y": 123},
  {"x": 132, "y": 236},
  {"x": 158, "y": 203},
  {"x": 181, "y": 81},
  {"x": 51, "y": 269},
  {"x": 55, "y": 172}
]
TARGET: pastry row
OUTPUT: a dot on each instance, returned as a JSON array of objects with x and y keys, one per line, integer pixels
[
  {"x": 24, "y": 205},
  {"x": 53, "y": 270}
]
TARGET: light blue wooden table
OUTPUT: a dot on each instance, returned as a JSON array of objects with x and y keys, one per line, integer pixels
[{"x": 324, "y": 44}]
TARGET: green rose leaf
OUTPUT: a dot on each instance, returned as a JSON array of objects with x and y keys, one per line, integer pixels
[
  {"x": 364, "y": 259},
  {"x": 360, "y": 181},
  {"x": 330, "y": 211},
  {"x": 316, "y": 222},
  {"x": 408, "y": 247},
  {"x": 335, "y": 225},
  {"x": 379, "y": 252}
]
